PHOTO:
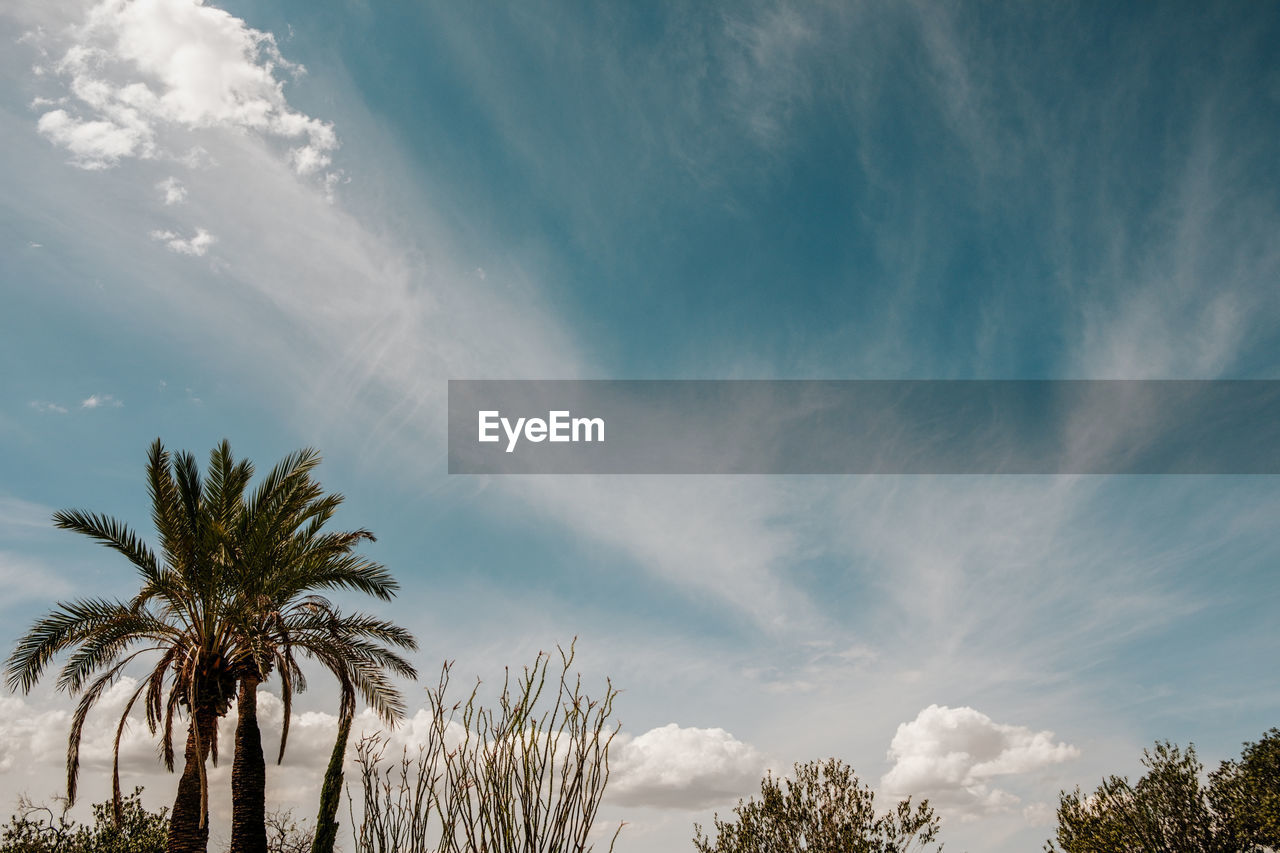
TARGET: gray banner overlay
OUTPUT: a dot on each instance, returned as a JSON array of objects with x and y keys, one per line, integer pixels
[{"x": 864, "y": 427}]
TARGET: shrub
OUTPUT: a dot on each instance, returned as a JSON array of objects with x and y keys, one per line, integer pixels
[
  {"x": 41, "y": 829},
  {"x": 525, "y": 776}
]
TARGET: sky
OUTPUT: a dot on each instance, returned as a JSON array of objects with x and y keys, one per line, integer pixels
[{"x": 289, "y": 224}]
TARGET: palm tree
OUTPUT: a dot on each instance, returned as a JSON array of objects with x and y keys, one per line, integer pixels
[
  {"x": 326, "y": 833},
  {"x": 180, "y": 615},
  {"x": 229, "y": 598},
  {"x": 281, "y": 556}
]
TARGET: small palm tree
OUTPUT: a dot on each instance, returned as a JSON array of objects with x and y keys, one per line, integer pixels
[
  {"x": 326, "y": 834},
  {"x": 281, "y": 557},
  {"x": 180, "y": 616}
]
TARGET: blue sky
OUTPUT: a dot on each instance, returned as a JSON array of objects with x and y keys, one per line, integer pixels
[{"x": 297, "y": 240}]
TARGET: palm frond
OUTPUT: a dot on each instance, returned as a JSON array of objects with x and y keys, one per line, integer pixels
[
  {"x": 117, "y": 801},
  {"x": 108, "y": 640},
  {"x": 69, "y": 624},
  {"x": 85, "y": 705},
  {"x": 112, "y": 533}
]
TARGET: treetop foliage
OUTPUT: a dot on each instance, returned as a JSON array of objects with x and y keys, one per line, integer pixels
[
  {"x": 824, "y": 809},
  {"x": 1170, "y": 809}
]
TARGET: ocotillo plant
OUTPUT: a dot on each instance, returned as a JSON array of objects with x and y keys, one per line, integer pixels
[{"x": 527, "y": 775}]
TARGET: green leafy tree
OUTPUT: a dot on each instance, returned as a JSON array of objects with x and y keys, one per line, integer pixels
[
  {"x": 825, "y": 809},
  {"x": 1245, "y": 795},
  {"x": 1165, "y": 810},
  {"x": 1171, "y": 809}
]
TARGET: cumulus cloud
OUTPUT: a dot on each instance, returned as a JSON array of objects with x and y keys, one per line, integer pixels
[
  {"x": 21, "y": 730},
  {"x": 101, "y": 401},
  {"x": 94, "y": 144},
  {"x": 688, "y": 768},
  {"x": 35, "y": 739},
  {"x": 670, "y": 766},
  {"x": 196, "y": 245},
  {"x": 140, "y": 68},
  {"x": 45, "y": 407},
  {"x": 950, "y": 755}
]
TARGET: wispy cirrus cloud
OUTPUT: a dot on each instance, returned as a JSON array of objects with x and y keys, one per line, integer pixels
[
  {"x": 993, "y": 588},
  {"x": 26, "y": 578},
  {"x": 101, "y": 401},
  {"x": 19, "y": 518}
]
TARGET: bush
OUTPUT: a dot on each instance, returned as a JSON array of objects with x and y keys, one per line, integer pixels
[
  {"x": 41, "y": 829},
  {"x": 286, "y": 835},
  {"x": 524, "y": 777},
  {"x": 824, "y": 810}
]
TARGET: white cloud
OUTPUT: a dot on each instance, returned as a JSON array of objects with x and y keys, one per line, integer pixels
[
  {"x": 25, "y": 734},
  {"x": 36, "y": 740},
  {"x": 140, "y": 68},
  {"x": 766, "y": 69},
  {"x": 950, "y": 755},
  {"x": 687, "y": 768},
  {"x": 196, "y": 245},
  {"x": 1040, "y": 814},
  {"x": 19, "y": 517},
  {"x": 100, "y": 401},
  {"x": 45, "y": 407},
  {"x": 95, "y": 144},
  {"x": 172, "y": 191},
  {"x": 24, "y": 578},
  {"x": 670, "y": 766}
]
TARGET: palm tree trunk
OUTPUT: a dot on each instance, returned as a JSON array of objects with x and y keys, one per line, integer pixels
[
  {"x": 331, "y": 794},
  {"x": 248, "y": 776},
  {"x": 189, "y": 826}
]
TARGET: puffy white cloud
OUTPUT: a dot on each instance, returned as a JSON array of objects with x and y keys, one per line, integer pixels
[
  {"x": 94, "y": 144},
  {"x": 677, "y": 767},
  {"x": 25, "y": 734},
  {"x": 142, "y": 67},
  {"x": 950, "y": 755},
  {"x": 669, "y": 766},
  {"x": 196, "y": 245},
  {"x": 45, "y": 407},
  {"x": 33, "y": 742},
  {"x": 36, "y": 740}
]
